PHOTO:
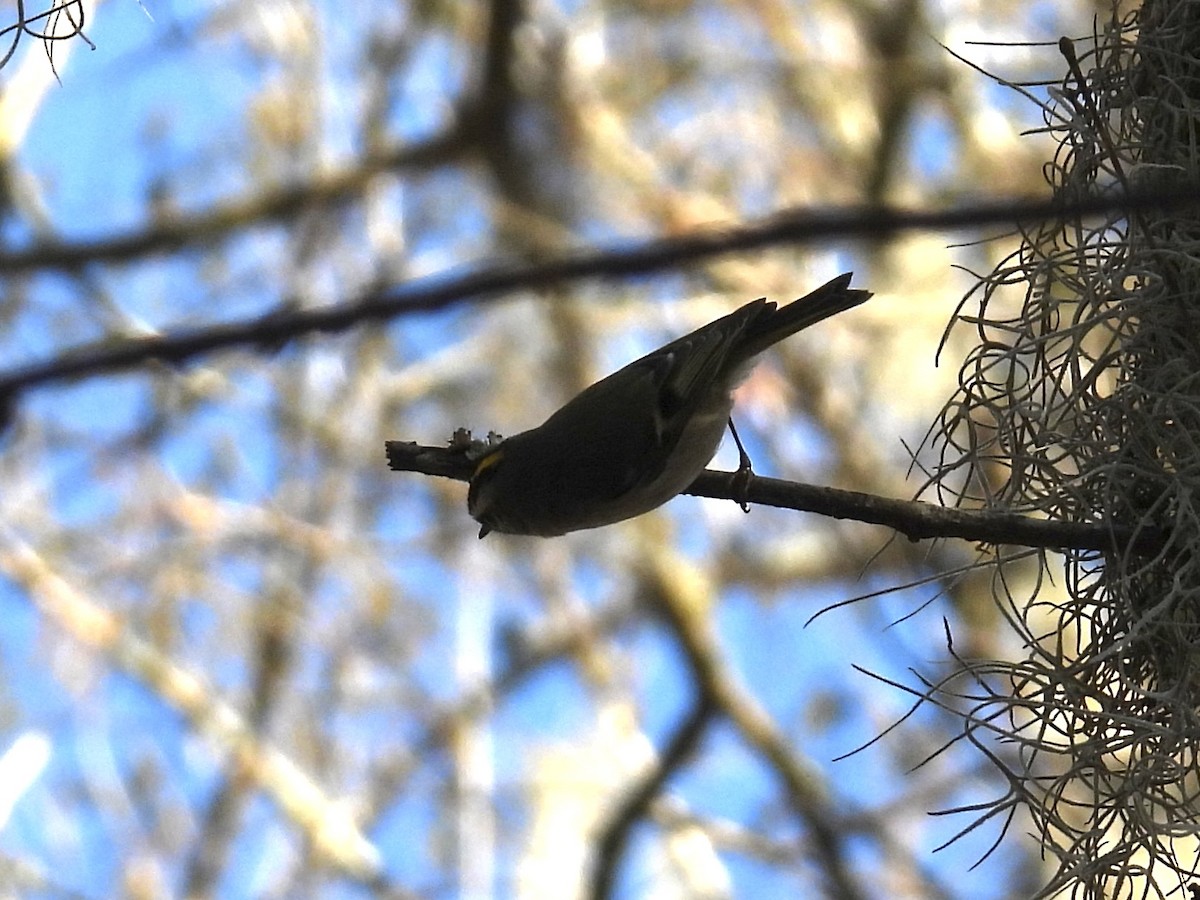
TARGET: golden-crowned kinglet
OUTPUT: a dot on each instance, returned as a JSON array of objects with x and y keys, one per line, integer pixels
[{"x": 635, "y": 439}]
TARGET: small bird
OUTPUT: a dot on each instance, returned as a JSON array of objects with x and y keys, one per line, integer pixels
[{"x": 638, "y": 437}]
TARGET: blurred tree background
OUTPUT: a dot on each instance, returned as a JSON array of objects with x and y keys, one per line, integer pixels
[{"x": 242, "y": 659}]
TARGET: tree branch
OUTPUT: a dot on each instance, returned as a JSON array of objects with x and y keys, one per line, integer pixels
[
  {"x": 275, "y": 329},
  {"x": 914, "y": 519}
]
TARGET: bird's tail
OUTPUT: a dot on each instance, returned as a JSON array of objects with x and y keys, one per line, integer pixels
[{"x": 828, "y": 300}]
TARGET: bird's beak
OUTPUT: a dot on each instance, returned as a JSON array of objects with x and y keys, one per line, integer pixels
[{"x": 483, "y": 531}]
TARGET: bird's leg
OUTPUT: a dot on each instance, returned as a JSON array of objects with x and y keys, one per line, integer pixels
[{"x": 741, "y": 478}]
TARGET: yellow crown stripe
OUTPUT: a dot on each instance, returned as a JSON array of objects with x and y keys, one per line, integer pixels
[{"x": 488, "y": 461}]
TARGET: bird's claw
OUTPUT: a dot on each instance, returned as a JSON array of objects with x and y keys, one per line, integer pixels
[{"x": 739, "y": 482}]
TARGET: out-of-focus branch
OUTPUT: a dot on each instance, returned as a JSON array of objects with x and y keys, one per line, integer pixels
[
  {"x": 234, "y": 217},
  {"x": 528, "y": 654},
  {"x": 784, "y": 227},
  {"x": 327, "y": 824},
  {"x": 913, "y": 519},
  {"x": 683, "y": 601},
  {"x": 616, "y": 833},
  {"x": 270, "y": 331}
]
